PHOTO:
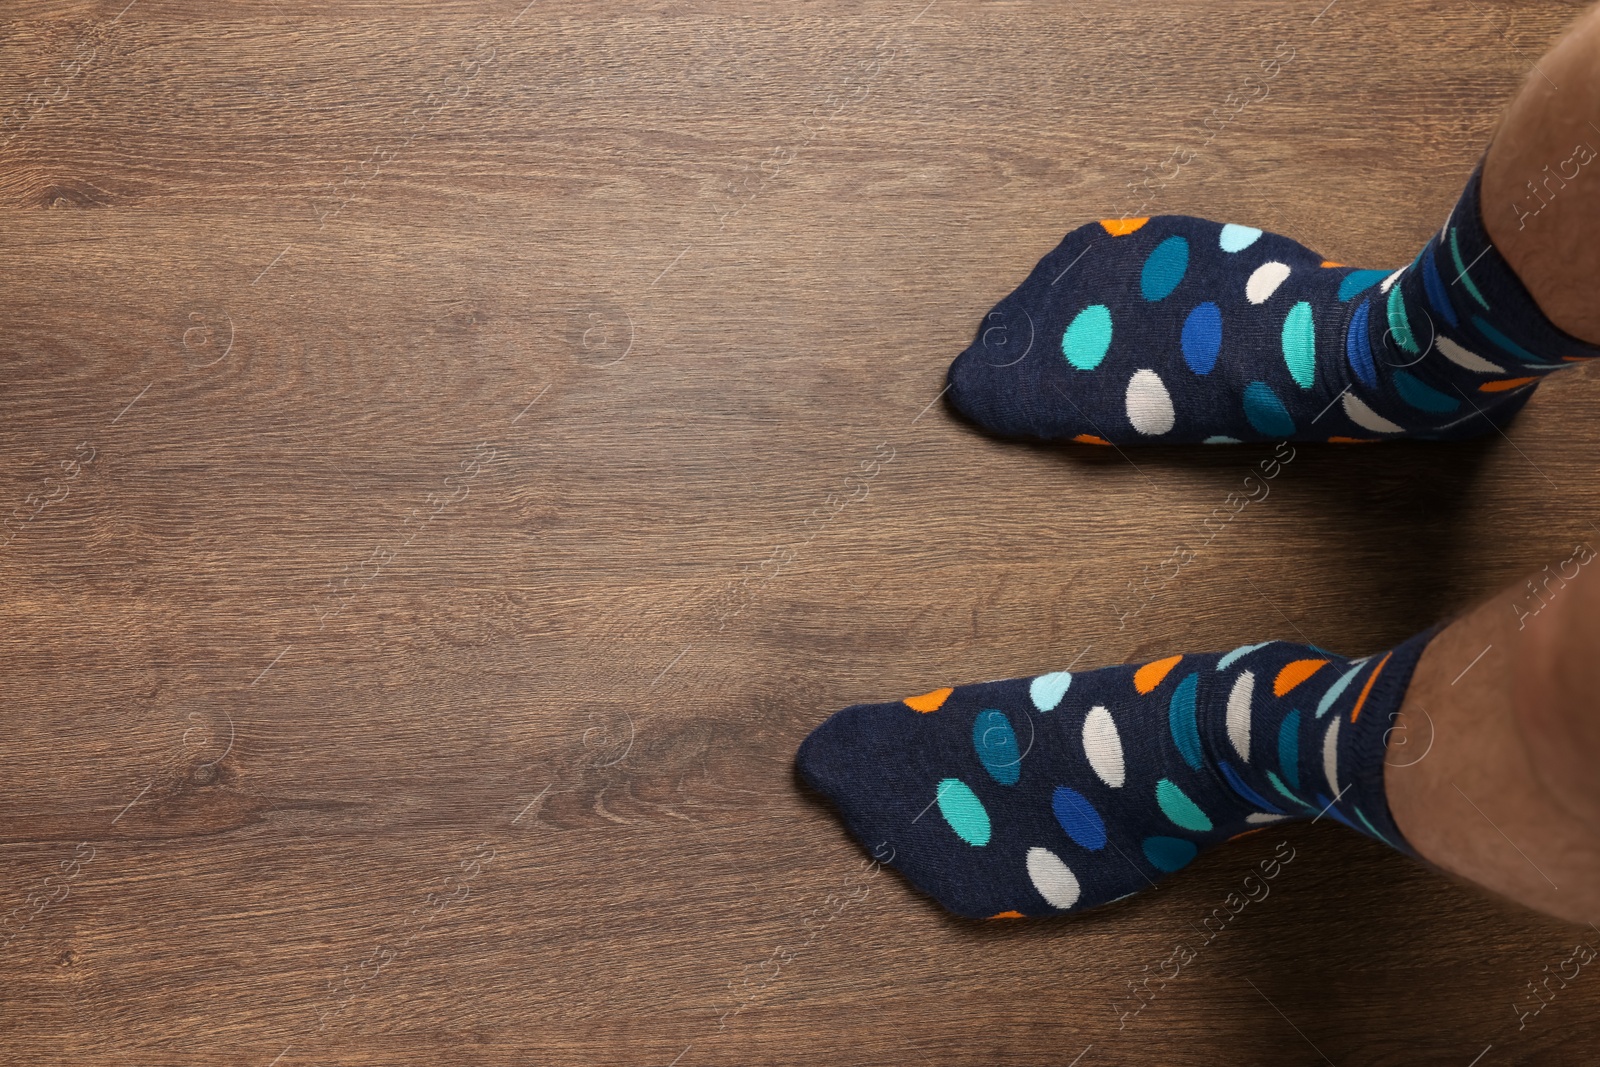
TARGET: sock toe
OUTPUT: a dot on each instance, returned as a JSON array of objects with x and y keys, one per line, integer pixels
[
  {"x": 890, "y": 797},
  {"x": 996, "y": 383}
]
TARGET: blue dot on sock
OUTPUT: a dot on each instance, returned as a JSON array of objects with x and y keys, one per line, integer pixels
[
  {"x": 1245, "y": 791},
  {"x": 1358, "y": 347},
  {"x": 1236, "y": 238},
  {"x": 1300, "y": 345},
  {"x": 997, "y": 749},
  {"x": 1169, "y": 853},
  {"x": 964, "y": 812},
  {"x": 1087, "y": 337},
  {"x": 1202, "y": 337},
  {"x": 1078, "y": 818},
  {"x": 1164, "y": 269},
  {"x": 1265, "y": 411},
  {"x": 1358, "y": 280}
]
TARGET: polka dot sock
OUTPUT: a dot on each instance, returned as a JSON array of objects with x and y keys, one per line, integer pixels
[
  {"x": 1177, "y": 329},
  {"x": 1066, "y": 791}
]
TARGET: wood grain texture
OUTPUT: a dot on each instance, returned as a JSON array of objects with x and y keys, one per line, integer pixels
[{"x": 455, "y": 452}]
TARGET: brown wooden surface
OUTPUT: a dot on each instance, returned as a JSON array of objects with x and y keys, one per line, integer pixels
[{"x": 284, "y": 656}]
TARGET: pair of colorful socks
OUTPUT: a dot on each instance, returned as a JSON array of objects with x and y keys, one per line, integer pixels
[{"x": 1064, "y": 791}]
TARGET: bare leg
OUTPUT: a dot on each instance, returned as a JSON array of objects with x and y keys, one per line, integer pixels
[
  {"x": 1541, "y": 182},
  {"x": 1492, "y": 768},
  {"x": 1508, "y": 794}
]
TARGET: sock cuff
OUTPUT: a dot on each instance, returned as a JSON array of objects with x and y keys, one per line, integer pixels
[
  {"x": 1363, "y": 750},
  {"x": 1483, "y": 285}
]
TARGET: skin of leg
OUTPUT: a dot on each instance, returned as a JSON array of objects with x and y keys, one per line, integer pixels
[
  {"x": 1540, "y": 201},
  {"x": 1492, "y": 766}
]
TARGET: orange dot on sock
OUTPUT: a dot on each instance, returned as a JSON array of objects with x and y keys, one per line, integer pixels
[
  {"x": 1353, "y": 440},
  {"x": 1122, "y": 227},
  {"x": 929, "y": 701},
  {"x": 1090, "y": 439},
  {"x": 1247, "y": 833},
  {"x": 1294, "y": 673},
  {"x": 1366, "y": 689},
  {"x": 1504, "y": 384},
  {"x": 1008, "y": 915},
  {"x": 1331, "y": 263},
  {"x": 1576, "y": 359},
  {"x": 1146, "y": 678}
]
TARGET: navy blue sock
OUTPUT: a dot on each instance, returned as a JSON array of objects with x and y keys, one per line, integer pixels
[
  {"x": 1065, "y": 791},
  {"x": 1175, "y": 329}
]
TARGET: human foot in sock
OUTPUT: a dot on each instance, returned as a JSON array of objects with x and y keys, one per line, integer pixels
[
  {"x": 1178, "y": 330},
  {"x": 1066, "y": 791}
]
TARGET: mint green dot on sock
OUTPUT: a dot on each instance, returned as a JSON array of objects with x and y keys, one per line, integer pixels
[
  {"x": 1177, "y": 806},
  {"x": 1300, "y": 345},
  {"x": 1088, "y": 337},
  {"x": 964, "y": 812},
  {"x": 1400, "y": 323}
]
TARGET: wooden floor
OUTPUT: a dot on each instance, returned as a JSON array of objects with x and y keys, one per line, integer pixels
[{"x": 455, "y": 452}]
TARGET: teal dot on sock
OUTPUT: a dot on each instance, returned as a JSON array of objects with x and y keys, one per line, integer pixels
[
  {"x": 1164, "y": 269},
  {"x": 1358, "y": 280},
  {"x": 1169, "y": 853},
  {"x": 1289, "y": 749},
  {"x": 1047, "y": 690},
  {"x": 1202, "y": 337},
  {"x": 1422, "y": 397},
  {"x": 1087, "y": 337},
  {"x": 1300, "y": 345},
  {"x": 1177, "y": 806},
  {"x": 964, "y": 812},
  {"x": 1502, "y": 341},
  {"x": 1078, "y": 818},
  {"x": 997, "y": 749},
  {"x": 1289, "y": 794},
  {"x": 1236, "y": 238},
  {"x": 1266, "y": 412},
  {"x": 1181, "y": 720}
]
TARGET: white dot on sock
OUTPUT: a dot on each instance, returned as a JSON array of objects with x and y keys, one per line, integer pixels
[
  {"x": 1330, "y": 756},
  {"x": 1103, "y": 747},
  {"x": 1368, "y": 419},
  {"x": 1264, "y": 281},
  {"x": 1053, "y": 879},
  {"x": 1463, "y": 358},
  {"x": 1149, "y": 404},
  {"x": 1238, "y": 716}
]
